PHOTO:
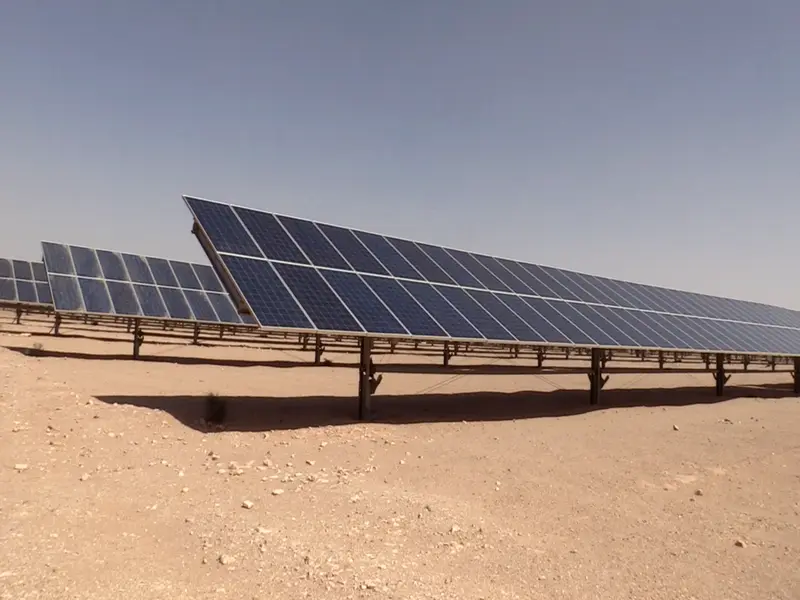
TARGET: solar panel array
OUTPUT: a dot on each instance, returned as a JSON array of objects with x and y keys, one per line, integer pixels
[
  {"x": 296, "y": 274},
  {"x": 102, "y": 282},
  {"x": 23, "y": 282}
]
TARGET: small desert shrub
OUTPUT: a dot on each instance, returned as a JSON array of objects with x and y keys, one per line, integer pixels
[{"x": 36, "y": 350}]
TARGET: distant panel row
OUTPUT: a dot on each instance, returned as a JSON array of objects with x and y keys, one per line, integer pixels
[
  {"x": 250, "y": 233},
  {"x": 298, "y": 296},
  {"x": 85, "y": 280},
  {"x": 23, "y": 282}
]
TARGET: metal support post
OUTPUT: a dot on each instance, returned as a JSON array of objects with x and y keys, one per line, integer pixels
[
  {"x": 596, "y": 379},
  {"x": 796, "y": 374},
  {"x": 304, "y": 341},
  {"x": 138, "y": 338},
  {"x": 566, "y": 353},
  {"x": 392, "y": 346},
  {"x": 446, "y": 354},
  {"x": 196, "y": 334},
  {"x": 368, "y": 382},
  {"x": 19, "y": 315},
  {"x": 707, "y": 360},
  {"x": 660, "y": 359},
  {"x": 719, "y": 375},
  {"x": 318, "y": 349},
  {"x": 746, "y": 361},
  {"x": 539, "y": 357}
]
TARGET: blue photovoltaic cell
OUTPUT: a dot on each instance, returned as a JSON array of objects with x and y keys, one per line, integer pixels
[
  {"x": 5, "y": 269},
  {"x": 22, "y": 270},
  {"x": 185, "y": 274},
  {"x": 270, "y": 301},
  {"x": 441, "y": 310},
  {"x": 201, "y": 307},
  {"x": 453, "y": 268},
  {"x": 584, "y": 291},
  {"x": 322, "y": 306},
  {"x": 485, "y": 276},
  {"x": 549, "y": 310},
  {"x": 150, "y": 301},
  {"x": 632, "y": 332},
  {"x": 208, "y": 278},
  {"x": 57, "y": 258},
  {"x": 8, "y": 291},
  {"x": 507, "y": 318},
  {"x": 603, "y": 335},
  {"x": 475, "y": 314},
  {"x": 176, "y": 304},
  {"x": 271, "y": 238},
  {"x": 663, "y": 337},
  {"x": 26, "y": 291},
  {"x": 637, "y": 334},
  {"x": 363, "y": 302},
  {"x": 537, "y": 322},
  {"x": 112, "y": 266},
  {"x": 138, "y": 269},
  {"x": 313, "y": 243},
  {"x": 123, "y": 298},
  {"x": 43, "y": 293},
  {"x": 389, "y": 257},
  {"x": 39, "y": 272},
  {"x": 538, "y": 287},
  {"x": 224, "y": 229},
  {"x": 356, "y": 253},
  {"x": 502, "y": 274},
  {"x": 95, "y": 296},
  {"x": 402, "y": 304},
  {"x": 224, "y": 308},
  {"x": 85, "y": 262},
  {"x": 420, "y": 261},
  {"x": 66, "y": 294},
  {"x": 162, "y": 272}
]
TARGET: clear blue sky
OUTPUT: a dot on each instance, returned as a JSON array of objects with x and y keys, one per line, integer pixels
[{"x": 643, "y": 140}]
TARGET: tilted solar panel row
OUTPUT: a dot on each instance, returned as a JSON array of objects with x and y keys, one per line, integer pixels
[
  {"x": 103, "y": 282},
  {"x": 303, "y": 275},
  {"x": 23, "y": 282}
]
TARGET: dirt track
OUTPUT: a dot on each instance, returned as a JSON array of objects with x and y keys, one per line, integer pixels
[{"x": 464, "y": 487}]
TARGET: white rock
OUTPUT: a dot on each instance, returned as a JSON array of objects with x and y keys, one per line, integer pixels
[
  {"x": 247, "y": 504},
  {"x": 20, "y": 467},
  {"x": 226, "y": 559},
  {"x": 277, "y": 492}
]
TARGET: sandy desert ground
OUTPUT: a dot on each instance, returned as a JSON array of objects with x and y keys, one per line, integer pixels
[{"x": 463, "y": 487}]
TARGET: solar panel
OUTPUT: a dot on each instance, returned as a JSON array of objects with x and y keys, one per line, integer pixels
[
  {"x": 23, "y": 282},
  {"x": 102, "y": 282},
  {"x": 296, "y": 274}
]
